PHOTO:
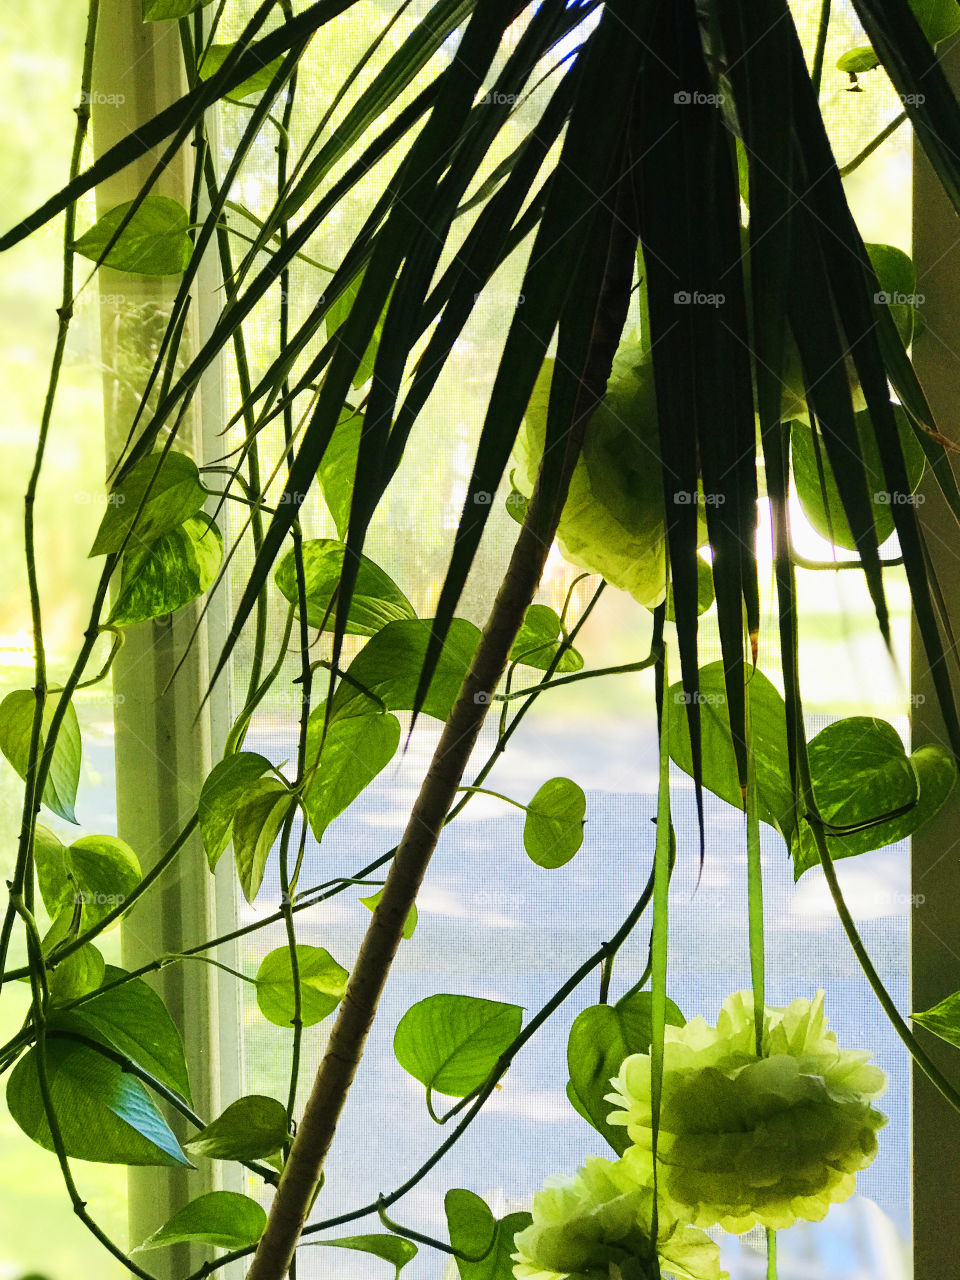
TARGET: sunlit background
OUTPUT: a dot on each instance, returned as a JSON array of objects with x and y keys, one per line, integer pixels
[{"x": 491, "y": 923}]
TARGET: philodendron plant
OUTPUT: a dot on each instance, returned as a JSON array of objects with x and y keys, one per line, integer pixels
[{"x": 699, "y": 324}]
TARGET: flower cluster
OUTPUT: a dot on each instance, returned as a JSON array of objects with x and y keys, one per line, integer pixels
[
  {"x": 599, "y": 1224},
  {"x": 744, "y": 1139},
  {"x": 747, "y": 1139}
]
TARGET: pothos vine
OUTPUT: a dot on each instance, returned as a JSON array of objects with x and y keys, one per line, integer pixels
[{"x": 760, "y": 1120}]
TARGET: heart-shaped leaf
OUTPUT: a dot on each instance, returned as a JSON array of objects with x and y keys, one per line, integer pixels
[
  {"x": 355, "y": 750},
  {"x": 222, "y": 1218},
  {"x": 411, "y": 921},
  {"x": 452, "y": 1043},
  {"x": 860, "y": 771},
  {"x": 104, "y": 1114},
  {"x": 337, "y": 315},
  {"x": 856, "y": 61},
  {"x": 226, "y": 785},
  {"x": 388, "y": 667},
  {"x": 769, "y": 723},
  {"x": 168, "y": 488},
  {"x": 938, "y": 18},
  {"x": 16, "y": 724},
  {"x": 217, "y": 54},
  {"x": 256, "y": 825},
  {"x": 153, "y": 243},
  {"x": 77, "y": 974},
  {"x": 827, "y": 517},
  {"x": 161, "y": 576},
  {"x": 539, "y": 639},
  {"x": 104, "y": 871},
  {"x": 134, "y": 1020},
  {"x": 943, "y": 1019},
  {"x": 338, "y": 469},
  {"x": 393, "y": 1249},
  {"x": 600, "y": 1038},
  {"x": 376, "y": 598},
  {"x": 251, "y": 1128},
  {"x": 486, "y": 1244},
  {"x": 322, "y": 984},
  {"x": 553, "y": 827}
]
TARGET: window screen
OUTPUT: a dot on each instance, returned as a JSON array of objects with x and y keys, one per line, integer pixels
[{"x": 490, "y": 922}]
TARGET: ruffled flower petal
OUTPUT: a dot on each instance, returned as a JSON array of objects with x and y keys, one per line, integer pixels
[
  {"x": 747, "y": 1140},
  {"x": 598, "y": 1225}
]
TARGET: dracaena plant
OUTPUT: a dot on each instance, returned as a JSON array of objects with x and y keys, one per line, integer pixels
[{"x": 698, "y": 322}]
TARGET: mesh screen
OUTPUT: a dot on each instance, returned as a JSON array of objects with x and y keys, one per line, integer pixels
[{"x": 490, "y": 922}]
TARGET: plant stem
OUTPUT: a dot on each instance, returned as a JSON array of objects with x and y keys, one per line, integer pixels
[
  {"x": 816, "y": 73},
  {"x": 871, "y": 146},
  {"x": 22, "y": 881},
  {"x": 358, "y": 1008},
  {"x": 608, "y": 298}
]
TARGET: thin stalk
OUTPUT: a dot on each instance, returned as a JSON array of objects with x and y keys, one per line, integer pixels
[
  {"x": 755, "y": 924},
  {"x": 871, "y": 146},
  {"x": 917, "y": 1051},
  {"x": 22, "y": 881},
  {"x": 661, "y": 896},
  {"x": 816, "y": 73},
  {"x": 288, "y": 883},
  {"x": 625, "y": 668}
]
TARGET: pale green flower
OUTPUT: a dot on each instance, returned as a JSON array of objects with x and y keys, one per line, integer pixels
[
  {"x": 597, "y": 1226},
  {"x": 746, "y": 1140}
]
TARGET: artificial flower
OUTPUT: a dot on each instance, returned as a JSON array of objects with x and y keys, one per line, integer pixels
[
  {"x": 598, "y": 1226},
  {"x": 750, "y": 1139}
]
